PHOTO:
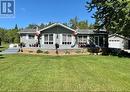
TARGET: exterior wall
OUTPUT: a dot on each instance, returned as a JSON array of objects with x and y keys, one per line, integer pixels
[
  {"x": 91, "y": 39},
  {"x": 25, "y": 39},
  {"x": 117, "y": 42},
  {"x": 57, "y": 30}
]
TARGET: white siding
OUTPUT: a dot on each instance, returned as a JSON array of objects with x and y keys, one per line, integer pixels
[{"x": 117, "y": 42}]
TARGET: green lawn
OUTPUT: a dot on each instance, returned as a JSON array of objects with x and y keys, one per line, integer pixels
[{"x": 64, "y": 73}]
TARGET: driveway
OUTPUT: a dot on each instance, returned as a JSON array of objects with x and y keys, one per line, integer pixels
[{"x": 10, "y": 51}]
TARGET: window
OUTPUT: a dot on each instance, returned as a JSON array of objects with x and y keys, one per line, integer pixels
[
  {"x": 82, "y": 39},
  {"x": 31, "y": 36},
  {"x": 101, "y": 41},
  {"x": 48, "y": 39},
  {"x": 96, "y": 40},
  {"x": 23, "y": 35},
  {"x": 66, "y": 39}
]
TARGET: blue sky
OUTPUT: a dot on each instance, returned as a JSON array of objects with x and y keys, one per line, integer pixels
[{"x": 44, "y": 11}]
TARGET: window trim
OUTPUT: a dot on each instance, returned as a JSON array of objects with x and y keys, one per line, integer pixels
[
  {"x": 82, "y": 39},
  {"x": 67, "y": 40},
  {"x": 48, "y": 38},
  {"x": 33, "y": 36},
  {"x": 97, "y": 40}
]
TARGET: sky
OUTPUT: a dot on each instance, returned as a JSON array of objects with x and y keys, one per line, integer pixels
[{"x": 44, "y": 11}]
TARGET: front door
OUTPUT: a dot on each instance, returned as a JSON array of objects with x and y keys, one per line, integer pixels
[{"x": 57, "y": 38}]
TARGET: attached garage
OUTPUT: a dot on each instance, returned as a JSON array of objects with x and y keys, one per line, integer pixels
[{"x": 118, "y": 41}]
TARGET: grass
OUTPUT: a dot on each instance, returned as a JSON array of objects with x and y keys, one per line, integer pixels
[
  {"x": 64, "y": 73},
  {"x": 4, "y": 46}
]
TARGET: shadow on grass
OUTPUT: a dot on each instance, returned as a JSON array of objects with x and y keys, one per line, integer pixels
[
  {"x": 1, "y": 56},
  {"x": 117, "y": 52}
]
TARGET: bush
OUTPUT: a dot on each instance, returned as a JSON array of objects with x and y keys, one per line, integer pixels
[
  {"x": 67, "y": 52},
  {"x": 78, "y": 51},
  {"x": 46, "y": 52},
  {"x": 39, "y": 51},
  {"x": 29, "y": 51},
  {"x": 94, "y": 50}
]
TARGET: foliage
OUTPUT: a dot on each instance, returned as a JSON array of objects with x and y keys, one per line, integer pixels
[
  {"x": 9, "y": 36},
  {"x": 75, "y": 23},
  {"x": 78, "y": 51},
  {"x": 67, "y": 52},
  {"x": 39, "y": 51},
  {"x": 114, "y": 15},
  {"x": 46, "y": 52}
]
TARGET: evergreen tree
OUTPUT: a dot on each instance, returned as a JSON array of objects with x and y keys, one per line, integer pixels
[{"x": 113, "y": 15}]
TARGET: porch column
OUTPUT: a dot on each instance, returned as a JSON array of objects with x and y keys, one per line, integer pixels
[
  {"x": 73, "y": 39},
  {"x": 42, "y": 41},
  {"x": 54, "y": 38},
  {"x": 88, "y": 39},
  {"x": 60, "y": 39},
  {"x": 27, "y": 36}
]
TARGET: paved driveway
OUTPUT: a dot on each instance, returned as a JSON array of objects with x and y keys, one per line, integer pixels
[{"x": 10, "y": 51}]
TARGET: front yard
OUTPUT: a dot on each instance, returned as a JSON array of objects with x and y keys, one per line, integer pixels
[{"x": 64, "y": 73}]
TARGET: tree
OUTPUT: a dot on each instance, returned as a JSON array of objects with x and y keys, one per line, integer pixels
[
  {"x": 16, "y": 27},
  {"x": 74, "y": 23},
  {"x": 2, "y": 34},
  {"x": 83, "y": 24},
  {"x": 113, "y": 15},
  {"x": 91, "y": 26},
  {"x": 31, "y": 26},
  {"x": 42, "y": 25}
]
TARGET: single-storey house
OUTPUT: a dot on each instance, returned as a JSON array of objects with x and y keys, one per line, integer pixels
[
  {"x": 66, "y": 37},
  {"x": 118, "y": 41}
]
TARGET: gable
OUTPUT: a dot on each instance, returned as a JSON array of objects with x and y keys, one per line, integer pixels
[
  {"x": 116, "y": 36},
  {"x": 57, "y": 28}
]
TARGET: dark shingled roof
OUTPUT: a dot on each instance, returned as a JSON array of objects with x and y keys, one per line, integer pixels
[
  {"x": 90, "y": 31},
  {"x": 79, "y": 31},
  {"x": 28, "y": 31}
]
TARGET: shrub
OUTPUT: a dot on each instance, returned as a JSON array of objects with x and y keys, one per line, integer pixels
[
  {"x": 67, "y": 52},
  {"x": 78, "y": 51},
  {"x": 39, "y": 51},
  {"x": 46, "y": 52},
  {"x": 93, "y": 50},
  {"x": 30, "y": 51}
]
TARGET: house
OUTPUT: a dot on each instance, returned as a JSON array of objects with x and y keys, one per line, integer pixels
[
  {"x": 118, "y": 41},
  {"x": 66, "y": 37}
]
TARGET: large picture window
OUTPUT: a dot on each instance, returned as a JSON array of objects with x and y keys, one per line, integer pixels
[
  {"x": 31, "y": 36},
  {"x": 96, "y": 40},
  {"x": 82, "y": 39},
  {"x": 23, "y": 36},
  {"x": 66, "y": 39},
  {"x": 48, "y": 39}
]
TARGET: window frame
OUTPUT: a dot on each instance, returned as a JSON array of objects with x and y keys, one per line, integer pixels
[
  {"x": 67, "y": 40},
  {"x": 48, "y": 41},
  {"x": 97, "y": 40},
  {"x": 82, "y": 39},
  {"x": 32, "y": 36}
]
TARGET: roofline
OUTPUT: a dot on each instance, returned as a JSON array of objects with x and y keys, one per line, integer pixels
[
  {"x": 26, "y": 32},
  {"x": 121, "y": 36},
  {"x": 56, "y": 24}
]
